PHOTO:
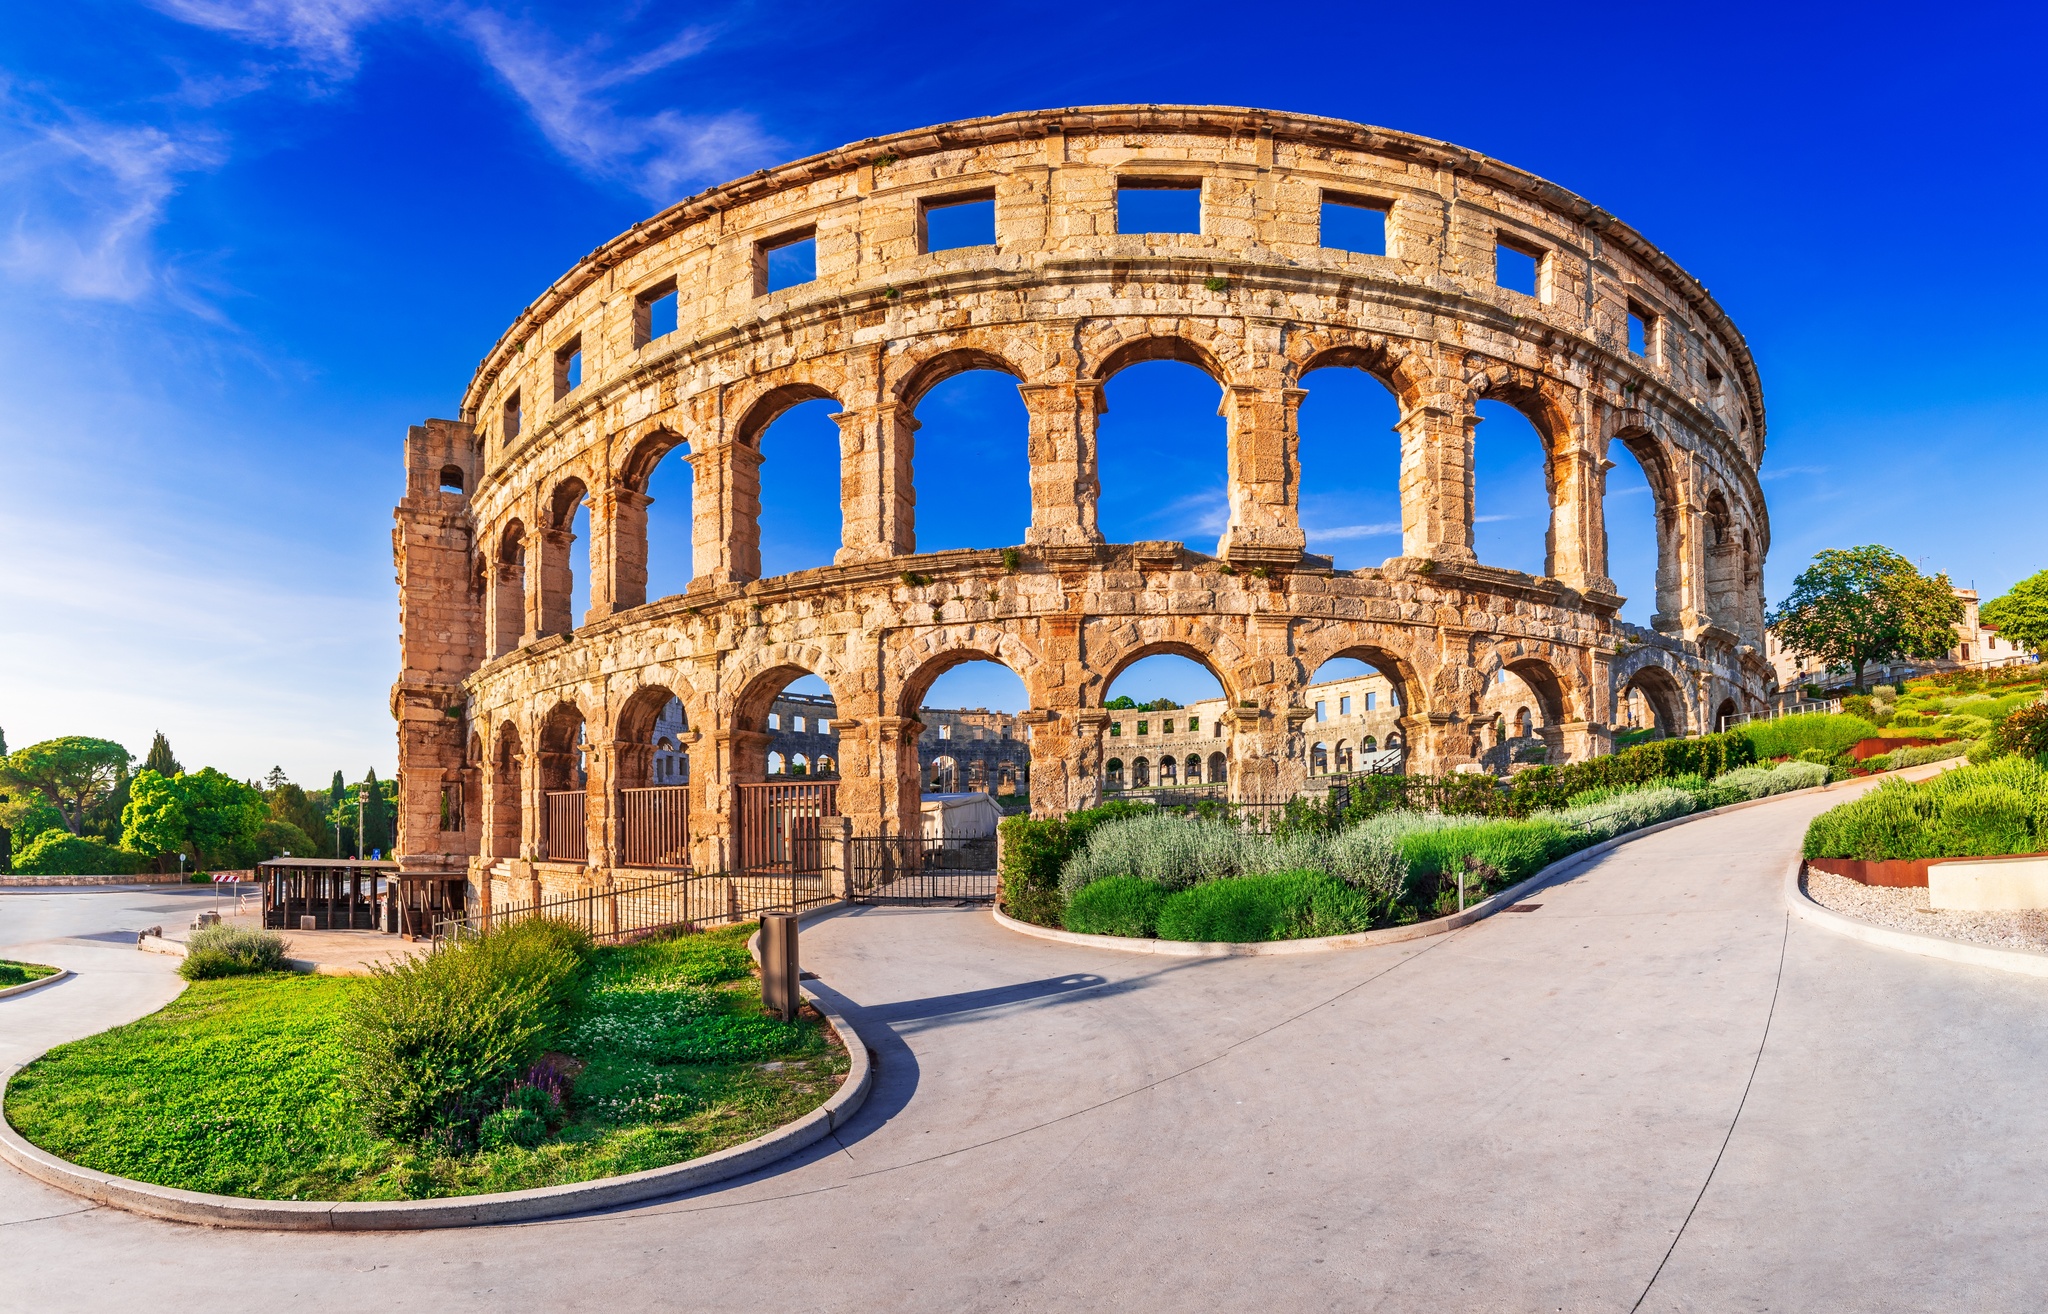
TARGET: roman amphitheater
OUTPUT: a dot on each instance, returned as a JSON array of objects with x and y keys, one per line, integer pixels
[{"x": 527, "y": 733}]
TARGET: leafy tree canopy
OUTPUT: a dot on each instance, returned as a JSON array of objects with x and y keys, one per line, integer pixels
[
  {"x": 2021, "y": 613},
  {"x": 1121, "y": 703},
  {"x": 1857, "y": 606},
  {"x": 212, "y": 817},
  {"x": 72, "y": 774}
]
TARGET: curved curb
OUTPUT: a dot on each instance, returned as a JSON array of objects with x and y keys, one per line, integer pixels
[
  {"x": 63, "y": 974},
  {"x": 1438, "y": 926},
  {"x": 2024, "y": 962},
  {"x": 460, "y": 1211}
]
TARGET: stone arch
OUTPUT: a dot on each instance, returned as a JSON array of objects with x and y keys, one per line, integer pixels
[
  {"x": 1665, "y": 695},
  {"x": 1727, "y": 708},
  {"x": 1187, "y": 342},
  {"x": 1219, "y": 768},
  {"x": 1113, "y": 773},
  {"x": 925, "y": 371},
  {"x": 933, "y": 655},
  {"x": 507, "y": 761},
  {"x": 557, "y": 566},
  {"x": 1103, "y": 673},
  {"x": 1401, "y": 373},
  {"x": 1317, "y": 648},
  {"x": 633, "y": 734},
  {"x": 1652, "y": 454},
  {"x": 768, "y": 407},
  {"x": 645, "y": 454},
  {"x": 507, "y": 602},
  {"x": 563, "y": 743}
]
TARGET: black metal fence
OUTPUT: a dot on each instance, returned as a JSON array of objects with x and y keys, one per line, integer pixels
[
  {"x": 912, "y": 869},
  {"x": 678, "y": 899}
]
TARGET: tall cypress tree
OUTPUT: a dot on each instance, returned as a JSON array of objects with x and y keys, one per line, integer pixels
[
  {"x": 160, "y": 759},
  {"x": 376, "y": 817},
  {"x": 337, "y": 797}
]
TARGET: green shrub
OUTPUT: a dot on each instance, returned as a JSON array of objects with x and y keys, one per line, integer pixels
[
  {"x": 1761, "y": 782},
  {"x": 1497, "y": 853},
  {"x": 58, "y": 853},
  {"x": 2024, "y": 731},
  {"x": 218, "y": 951},
  {"x": 1118, "y": 905},
  {"x": 1280, "y": 906},
  {"x": 1788, "y": 736},
  {"x": 1035, "y": 849},
  {"x": 2000, "y": 807},
  {"x": 1171, "y": 851},
  {"x": 13, "y": 973},
  {"x": 1603, "y": 814},
  {"x": 436, "y": 1041}
]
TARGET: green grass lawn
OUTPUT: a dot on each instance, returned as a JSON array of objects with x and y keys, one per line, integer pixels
[
  {"x": 236, "y": 1087},
  {"x": 14, "y": 974}
]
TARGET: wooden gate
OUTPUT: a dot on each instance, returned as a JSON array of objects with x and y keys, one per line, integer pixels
[
  {"x": 655, "y": 826},
  {"x": 566, "y": 838},
  {"x": 777, "y": 825}
]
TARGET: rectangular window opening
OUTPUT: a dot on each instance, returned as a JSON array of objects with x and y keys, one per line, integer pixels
[
  {"x": 1158, "y": 205},
  {"x": 1514, "y": 268},
  {"x": 1144, "y": 727},
  {"x": 786, "y": 261},
  {"x": 1194, "y": 724},
  {"x": 774, "y": 720},
  {"x": 1354, "y": 223},
  {"x": 947, "y": 223},
  {"x": 1116, "y": 729},
  {"x": 654, "y": 313},
  {"x": 513, "y": 416},
  {"x": 1370, "y": 699},
  {"x": 1642, "y": 330},
  {"x": 1344, "y": 706},
  {"x": 1322, "y": 711},
  {"x": 568, "y": 367}
]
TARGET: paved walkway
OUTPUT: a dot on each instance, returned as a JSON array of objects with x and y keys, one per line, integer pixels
[{"x": 1655, "y": 1091}]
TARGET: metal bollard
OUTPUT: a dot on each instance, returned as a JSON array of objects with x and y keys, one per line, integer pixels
[{"x": 779, "y": 970}]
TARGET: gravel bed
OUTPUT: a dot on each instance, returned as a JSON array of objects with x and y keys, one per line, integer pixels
[{"x": 1905, "y": 909}]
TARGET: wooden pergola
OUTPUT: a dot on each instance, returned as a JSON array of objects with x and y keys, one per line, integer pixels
[{"x": 339, "y": 894}]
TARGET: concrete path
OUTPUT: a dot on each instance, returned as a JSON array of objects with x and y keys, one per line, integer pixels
[{"x": 1654, "y": 1091}]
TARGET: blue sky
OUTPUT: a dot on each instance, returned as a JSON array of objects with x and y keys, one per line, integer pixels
[{"x": 244, "y": 243}]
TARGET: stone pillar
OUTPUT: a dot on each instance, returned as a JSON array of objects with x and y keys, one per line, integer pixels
[
  {"x": 506, "y": 581},
  {"x": 1066, "y": 761},
  {"x": 877, "y": 493},
  {"x": 835, "y": 835},
  {"x": 602, "y": 771},
  {"x": 898, "y": 779},
  {"x": 1061, "y": 448},
  {"x": 1264, "y": 476},
  {"x": 557, "y": 579},
  {"x": 618, "y": 550},
  {"x": 1578, "y": 521},
  {"x": 532, "y": 806},
  {"x": 1436, "y": 480},
  {"x": 725, "y": 523}
]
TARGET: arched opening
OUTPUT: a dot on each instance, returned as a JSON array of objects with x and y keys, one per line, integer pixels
[
  {"x": 669, "y": 482},
  {"x": 1725, "y": 712},
  {"x": 1169, "y": 703},
  {"x": 1113, "y": 773},
  {"x": 1319, "y": 759},
  {"x": 1725, "y": 565},
  {"x": 652, "y": 762},
  {"x": 508, "y": 591},
  {"x": 565, "y": 559},
  {"x": 969, "y": 705},
  {"x": 1511, "y": 492},
  {"x": 1162, "y": 452},
  {"x": 800, "y": 525},
  {"x": 1529, "y": 682},
  {"x": 1350, "y": 464},
  {"x": 564, "y": 785},
  {"x": 505, "y": 791},
  {"x": 943, "y": 776},
  {"x": 1219, "y": 769},
  {"x": 1652, "y": 705},
  {"x": 1359, "y": 697},
  {"x": 1630, "y": 510},
  {"x": 784, "y": 713},
  {"x": 971, "y": 466},
  {"x": 451, "y": 479}
]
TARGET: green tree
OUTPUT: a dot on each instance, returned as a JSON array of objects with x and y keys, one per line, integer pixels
[
  {"x": 160, "y": 759},
  {"x": 341, "y": 813},
  {"x": 1121, "y": 703},
  {"x": 72, "y": 774},
  {"x": 1857, "y": 606},
  {"x": 212, "y": 817},
  {"x": 377, "y": 816},
  {"x": 2021, "y": 613}
]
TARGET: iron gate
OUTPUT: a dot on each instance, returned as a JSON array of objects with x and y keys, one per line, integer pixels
[{"x": 911, "y": 869}]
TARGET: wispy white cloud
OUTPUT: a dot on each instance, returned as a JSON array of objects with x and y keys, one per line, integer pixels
[
  {"x": 567, "y": 91},
  {"x": 1488, "y": 520},
  {"x": 1339, "y": 533},
  {"x": 83, "y": 197},
  {"x": 320, "y": 33},
  {"x": 1786, "y": 472}
]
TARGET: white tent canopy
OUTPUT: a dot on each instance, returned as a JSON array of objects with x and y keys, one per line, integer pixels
[{"x": 960, "y": 816}]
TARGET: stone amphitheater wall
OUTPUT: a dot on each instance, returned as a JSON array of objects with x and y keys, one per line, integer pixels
[{"x": 495, "y": 668}]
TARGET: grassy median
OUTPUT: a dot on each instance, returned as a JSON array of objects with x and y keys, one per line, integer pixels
[{"x": 242, "y": 1086}]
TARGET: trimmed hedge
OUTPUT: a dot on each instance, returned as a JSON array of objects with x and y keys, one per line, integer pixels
[
  {"x": 1789, "y": 736},
  {"x": 1119, "y": 905},
  {"x": 218, "y": 951},
  {"x": 1283, "y": 906},
  {"x": 1036, "y": 849},
  {"x": 1988, "y": 810}
]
